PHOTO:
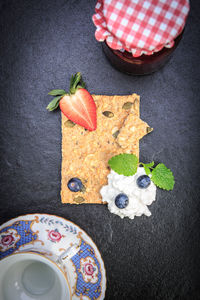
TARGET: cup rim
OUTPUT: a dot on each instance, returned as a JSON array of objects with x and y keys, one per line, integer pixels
[
  {"x": 45, "y": 258},
  {"x": 102, "y": 264}
]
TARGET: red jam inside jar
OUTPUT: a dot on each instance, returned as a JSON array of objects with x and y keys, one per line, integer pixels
[{"x": 142, "y": 65}]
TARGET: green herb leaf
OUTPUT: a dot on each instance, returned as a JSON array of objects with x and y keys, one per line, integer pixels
[
  {"x": 57, "y": 92},
  {"x": 147, "y": 167},
  {"x": 76, "y": 83},
  {"x": 147, "y": 170},
  {"x": 124, "y": 164},
  {"x": 150, "y": 165},
  {"x": 54, "y": 103},
  {"x": 163, "y": 177},
  {"x": 71, "y": 82},
  {"x": 83, "y": 85}
]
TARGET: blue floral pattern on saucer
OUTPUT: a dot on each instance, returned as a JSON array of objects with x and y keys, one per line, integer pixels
[{"x": 52, "y": 235}]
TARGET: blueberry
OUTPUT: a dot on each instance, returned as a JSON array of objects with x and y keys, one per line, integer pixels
[
  {"x": 121, "y": 200},
  {"x": 143, "y": 181},
  {"x": 75, "y": 184}
]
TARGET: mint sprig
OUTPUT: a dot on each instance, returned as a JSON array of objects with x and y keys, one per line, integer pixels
[
  {"x": 147, "y": 167},
  {"x": 124, "y": 164},
  {"x": 127, "y": 164}
]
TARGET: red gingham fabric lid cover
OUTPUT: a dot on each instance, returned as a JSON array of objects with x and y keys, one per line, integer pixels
[{"x": 140, "y": 26}]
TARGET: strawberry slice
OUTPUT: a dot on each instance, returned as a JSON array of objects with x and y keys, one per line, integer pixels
[{"x": 78, "y": 106}]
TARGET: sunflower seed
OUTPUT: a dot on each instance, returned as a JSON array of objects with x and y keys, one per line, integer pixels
[{"x": 115, "y": 134}]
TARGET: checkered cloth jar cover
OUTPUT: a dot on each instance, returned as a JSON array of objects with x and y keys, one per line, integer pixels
[{"x": 140, "y": 26}]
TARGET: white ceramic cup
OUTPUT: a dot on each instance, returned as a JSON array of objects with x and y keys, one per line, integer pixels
[{"x": 33, "y": 276}]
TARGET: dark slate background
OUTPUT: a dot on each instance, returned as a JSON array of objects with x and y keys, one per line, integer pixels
[{"x": 41, "y": 44}]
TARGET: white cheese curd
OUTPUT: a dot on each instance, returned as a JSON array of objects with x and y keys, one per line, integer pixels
[{"x": 138, "y": 198}]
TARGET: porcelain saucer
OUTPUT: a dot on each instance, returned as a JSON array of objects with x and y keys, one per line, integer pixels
[{"x": 52, "y": 235}]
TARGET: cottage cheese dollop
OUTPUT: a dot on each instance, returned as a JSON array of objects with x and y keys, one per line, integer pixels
[{"x": 138, "y": 198}]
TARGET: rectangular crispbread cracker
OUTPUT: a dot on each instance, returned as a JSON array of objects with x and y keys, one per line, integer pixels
[{"x": 85, "y": 154}]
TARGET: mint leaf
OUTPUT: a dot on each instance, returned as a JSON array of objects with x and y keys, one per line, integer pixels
[
  {"x": 147, "y": 170},
  {"x": 147, "y": 167},
  {"x": 150, "y": 165},
  {"x": 163, "y": 177},
  {"x": 124, "y": 164},
  {"x": 54, "y": 103},
  {"x": 57, "y": 92}
]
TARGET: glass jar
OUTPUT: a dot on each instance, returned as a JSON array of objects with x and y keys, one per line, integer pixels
[
  {"x": 142, "y": 65},
  {"x": 140, "y": 36}
]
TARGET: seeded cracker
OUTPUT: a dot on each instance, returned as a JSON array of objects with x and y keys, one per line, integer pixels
[
  {"x": 132, "y": 131},
  {"x": 85, "y": 154}
]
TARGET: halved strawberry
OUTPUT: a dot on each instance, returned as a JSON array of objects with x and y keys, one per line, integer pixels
[{"x": 78, "y": 106}]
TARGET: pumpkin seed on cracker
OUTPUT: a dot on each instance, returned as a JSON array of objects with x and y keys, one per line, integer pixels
[
  {"x": 83, "y": 190},
  {"x": 149, "y": 129},
  {"x": 127, "y": 105},
  {"x": 108, "y": 114},
  {"x": 79, "y": 200},
  {"x": 69, "y": 124}
]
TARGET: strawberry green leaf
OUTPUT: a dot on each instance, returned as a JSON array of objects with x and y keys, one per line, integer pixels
[
  {"x": 71, "y": 82},
  {"x": 76, "y": 82},
  {"x": 83, "y": 85},
  {"x": 163, "y": 177},
  {"x": 57, "y": 92},
  {"x": 54, "y": 103},
  {"x": 124, "y": 164}
]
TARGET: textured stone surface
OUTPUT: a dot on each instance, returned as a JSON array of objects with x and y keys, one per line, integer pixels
[{"x": 41, "y": 44}]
